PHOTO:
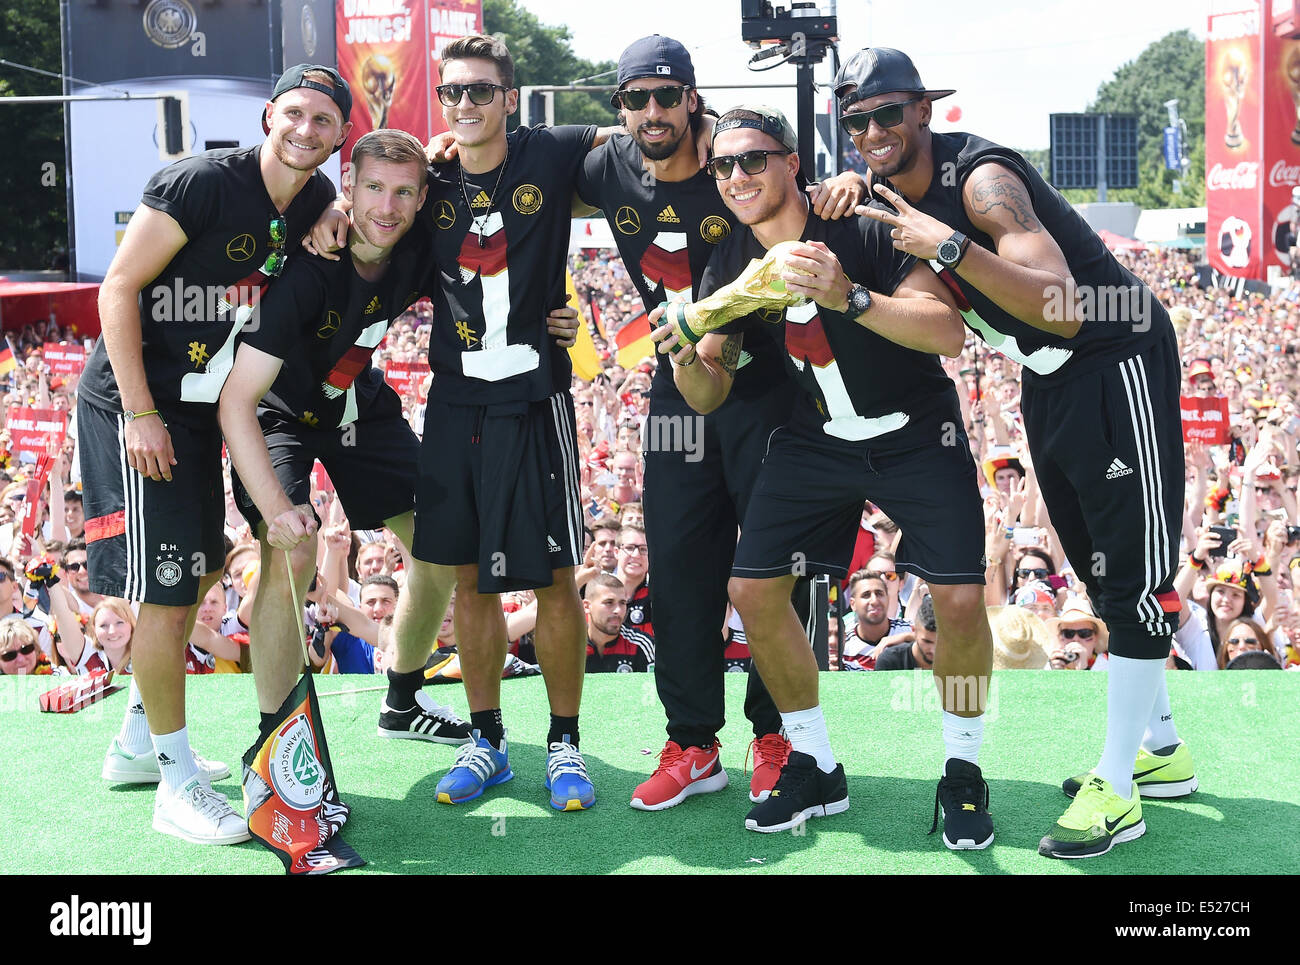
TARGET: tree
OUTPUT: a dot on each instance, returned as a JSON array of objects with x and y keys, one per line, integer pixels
[
  {"x": 1172, "y": 67},
  {"x": 543, "y": 56},
  {"x": 32, "y": 176}
]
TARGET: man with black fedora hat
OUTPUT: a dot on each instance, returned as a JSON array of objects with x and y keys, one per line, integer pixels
[
  {"x": 212, "y": 232},
  {"x": 668, "y": 219},
  {"x": 1100, "y": 392}
]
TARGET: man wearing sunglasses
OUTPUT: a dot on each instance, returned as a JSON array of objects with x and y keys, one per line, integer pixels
[
  {"x": 888, "y": 433},
  {"x": 211, "y": 233},
  {"x": 1100, "y": 395},
  {"x": 668, "y": 219}
]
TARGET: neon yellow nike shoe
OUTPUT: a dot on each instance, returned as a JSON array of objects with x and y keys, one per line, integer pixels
[
  {"x": 1095, "y": 822},
  {"x": 1168, "y": 772}
]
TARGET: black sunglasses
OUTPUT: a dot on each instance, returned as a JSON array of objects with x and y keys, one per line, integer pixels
[
  {"x": 891, "y": 115},
  {"x": 1038, "y": 574},
  {"x": 751, "y": 162},
  {"x": 480, "y": 94},
  {"x": 638, "y": 98},
  {"x": 1070, "y": 634},
  {"x": 275, "y": 261},
  {"x": 74, "y": 567},
  {"x": 9, "y": 656}
]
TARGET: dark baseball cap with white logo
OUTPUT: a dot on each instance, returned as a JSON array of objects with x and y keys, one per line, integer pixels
[
  {"x": 295, "y": 77},
  {"x": 655, "y": 56}
]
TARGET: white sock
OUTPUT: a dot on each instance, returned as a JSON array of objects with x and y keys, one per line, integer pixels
[
  {"x": 806, "y": 731},
  {"x": 134, "y": 735},
  {"x": 1161, "y": 731},
  {"x": 1130, "y": 696},
  {"x": 175, "y": 759},
  {"x": 962, "y": 737}
]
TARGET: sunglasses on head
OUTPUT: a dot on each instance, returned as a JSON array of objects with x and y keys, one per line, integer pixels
[
  {"x": 890, "y": 115},
  {"x": 887, "y": 577},
  {"x": 638, "y": 98},
  {"x": 751, "y": 162},
  {"x": 275, "y": 261},
  {"x": 1085, "y": 634},
  {"x": 9, "y": 656},
  {"x": 480, "y": 94},
  {"x": 1037, "y": 573}
]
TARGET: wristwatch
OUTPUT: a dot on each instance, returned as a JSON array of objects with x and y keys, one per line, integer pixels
[
  {"x": 951, "y": 249},
  {"x": 859, "y": 301}
]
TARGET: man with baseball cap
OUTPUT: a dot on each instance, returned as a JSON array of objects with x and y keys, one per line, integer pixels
[
  {"x": 1100, "y": 396},
  {"x": 211, "y": 234},
  {"x": 668, "y": 219},
  {"x": 852, "y": 436}
]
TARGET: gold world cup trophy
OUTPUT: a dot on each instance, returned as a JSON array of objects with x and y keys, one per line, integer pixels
[
  {"x": 1292, "y": 70},
  {"x": 378, "y": 79},
  {"x": 759, "y": 286},
  {"x": 1234, "y": 77}
]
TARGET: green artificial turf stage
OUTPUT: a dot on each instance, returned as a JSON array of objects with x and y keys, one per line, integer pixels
[{"x": 884, "y": 727}]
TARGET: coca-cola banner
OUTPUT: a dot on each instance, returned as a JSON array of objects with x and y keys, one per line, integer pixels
[
  {"x": 1205, "y": 419},
  {"x": 1281, "y": 84},
  {"x": 1234, "y": 143}
]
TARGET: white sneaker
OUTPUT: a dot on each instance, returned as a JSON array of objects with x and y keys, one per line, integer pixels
[
  {"x": 123, "y": 767},
  {"x": 197, "y": 814}
]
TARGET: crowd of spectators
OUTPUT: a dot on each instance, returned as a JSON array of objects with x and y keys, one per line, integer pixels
[{"x": 1240, "y": 538}]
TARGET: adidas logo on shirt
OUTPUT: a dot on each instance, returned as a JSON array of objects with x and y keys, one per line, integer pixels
[
  {"x": 552, "y": 546},
  {"x": 481, "y": 200},
  {"x": 1117, "y": 469},
  {"x": 669, "y": 216},
  {"x": 373, "y": 306}
]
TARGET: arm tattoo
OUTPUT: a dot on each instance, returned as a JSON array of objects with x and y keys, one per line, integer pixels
[
  {"x": 999, "y": 189},
  {"x": 730, "y": 354}
]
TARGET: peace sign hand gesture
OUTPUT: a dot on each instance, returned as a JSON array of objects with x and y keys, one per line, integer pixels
[{"x": 914, "y": 232}]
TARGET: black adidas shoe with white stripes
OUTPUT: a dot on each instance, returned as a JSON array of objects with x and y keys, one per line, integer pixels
[{"x": 426, "y": 721}]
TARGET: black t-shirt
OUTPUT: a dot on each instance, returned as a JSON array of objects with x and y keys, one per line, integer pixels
[
  {"x": 1121, "y": 316},
  {"x": 501, "y": 268},
  {"x": 666, "y": 233},
  {"x": 325, "y": 321},
  {"x": 857, "y": 386},
  {"x": 190, "y": 313},
  {"x": 897, "y": 657}
]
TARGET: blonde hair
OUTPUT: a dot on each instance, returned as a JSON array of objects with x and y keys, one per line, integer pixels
[{"x": 122, "y": 609}]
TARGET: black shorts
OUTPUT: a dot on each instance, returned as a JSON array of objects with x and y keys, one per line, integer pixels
[
  {"x": 373, "y": 463},
  {"x": 804, "y": 513},
  {"x": 499, "y": 487},
  {"x": 146, "y": 541}
]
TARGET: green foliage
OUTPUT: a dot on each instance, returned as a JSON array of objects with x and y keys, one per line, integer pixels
[
  {"x": 32, "y": 176},
  {"x": 543, "y": 56},
  {"x": 1172, "y": 67}
]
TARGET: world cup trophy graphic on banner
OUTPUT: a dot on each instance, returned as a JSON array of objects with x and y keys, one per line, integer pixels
[
  {"x": 759, "y": 286},
  {"x": 378, "y": 80},
  {"x": 1291, "y": 70},
  {"x": 1234, "y": 78}
]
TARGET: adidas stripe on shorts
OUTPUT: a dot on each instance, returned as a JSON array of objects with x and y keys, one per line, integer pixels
[{"x": 146, "y": 541}]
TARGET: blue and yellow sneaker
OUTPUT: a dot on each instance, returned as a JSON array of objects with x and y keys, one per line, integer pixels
[
  {"x": 1164, "y": 773},
  {"x": 478, "y": 766},
  {"x": 1098, "y": 820},
  {"x": 566, "y": 778}
]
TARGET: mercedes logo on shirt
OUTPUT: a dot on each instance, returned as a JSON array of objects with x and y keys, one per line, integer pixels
[
  {"x": 241, "y": 248},
  {"x": 627, "y": 220}
]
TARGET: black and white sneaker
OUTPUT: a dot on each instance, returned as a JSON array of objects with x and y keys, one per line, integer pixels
[
  {"x": 802, "y": 791},
  {"x": 964, "y": 795},
  {"x": 426, "y": 721}
]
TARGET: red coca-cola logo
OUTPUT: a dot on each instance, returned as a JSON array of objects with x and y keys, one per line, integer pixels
[
  {"x": 1284, "y": 175},
  {"x": 1241, "y": 177}
]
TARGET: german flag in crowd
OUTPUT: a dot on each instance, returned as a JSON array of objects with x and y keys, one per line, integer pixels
[{"x": 7, "y": 360}]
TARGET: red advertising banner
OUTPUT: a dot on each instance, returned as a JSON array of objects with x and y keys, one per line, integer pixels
[
  {"x": 1233, "y": 139},
  {"x": 383, "y": 56},
  {"x": 64, "y": 358},
  {"x": 407, "y": 379},
  {"x": 1205, "y": 419},
  {"x": 1281, "y": 173},
  {"x": 449, "y": 20},
  {"x": 31, "y": 429}
]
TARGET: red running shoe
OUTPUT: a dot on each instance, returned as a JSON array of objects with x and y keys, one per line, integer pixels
[
  {"x": 770, "y": 751},
  {"x": 681, "y": 773}
]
